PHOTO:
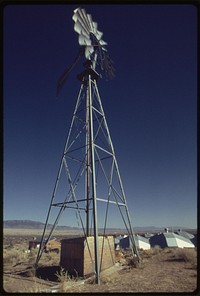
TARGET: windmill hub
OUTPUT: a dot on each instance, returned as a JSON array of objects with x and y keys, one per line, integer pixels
[
  {"x": 83, "y": 76},
  {"x": 95, "y": 41}
]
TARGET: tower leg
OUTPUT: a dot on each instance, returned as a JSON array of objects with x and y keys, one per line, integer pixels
[
  {"x": 88, "y": 149},
  {"x": 97, "y": 272}
]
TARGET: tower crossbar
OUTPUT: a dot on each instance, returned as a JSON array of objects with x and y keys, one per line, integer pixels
[{"x": 89, "y": 150}]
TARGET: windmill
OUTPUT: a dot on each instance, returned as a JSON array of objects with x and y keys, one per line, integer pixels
[{"x": 88, "y": 161}]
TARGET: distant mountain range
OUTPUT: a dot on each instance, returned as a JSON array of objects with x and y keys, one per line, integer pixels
[{"x": 29, "y": 224}]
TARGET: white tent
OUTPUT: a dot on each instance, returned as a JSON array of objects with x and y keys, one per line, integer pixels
[
  {"x": 171, "y": 240},
  {"x": 124, "y": 242},
  {"x": 142, "y": 242}
]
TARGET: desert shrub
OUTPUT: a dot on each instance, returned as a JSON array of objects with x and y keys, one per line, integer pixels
[
  {"x": 151, "y": 252},
  {"x": 8, "y": 246},
  {"x": 167, "y": 250},
  {"x": 32, "y": 255},
  {"x": 9, "y": 256},
  {"x": 134, "y": 262},
  {"x": 63, "y": 275},
  {"x": 186, "y": 255},
  {"x": 128, "y": 259},
  {"x": 13, "y": 256},
  {"x": 52, "y": 257},
  {"x": 156, "y": 250},
  {"x": 65, "y": 279},
  {"x": 146, "y": 253},
  {"x": 31, "y": 272}
]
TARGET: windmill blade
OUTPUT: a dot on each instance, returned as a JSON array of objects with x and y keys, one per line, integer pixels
[
  {"x": 77, "y": 27},
  {"x": 88, "y": 51},
  {"x": 102, "y": 43},
  {"x": 94, "y": 27},
  {"x": 80, "y": 28},
  {"x": 99, "y": 34},
  {"x": 81, "y": 15},
  {"x": 91, "y": 39},
  {"x": 84, "y": 41},
  {"x": 89, "y": 17},
  {"x": 85, "y": 27},
  {"x": 65, "y": 75},
  {"x": 84, "y": 15}
]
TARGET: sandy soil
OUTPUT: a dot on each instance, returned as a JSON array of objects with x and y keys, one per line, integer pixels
[{"x": 167, "y": 270}]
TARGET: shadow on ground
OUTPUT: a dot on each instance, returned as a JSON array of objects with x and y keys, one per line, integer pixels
[
  {"x": 43, "y": 272},
  {"x": 48, "y": 273}
]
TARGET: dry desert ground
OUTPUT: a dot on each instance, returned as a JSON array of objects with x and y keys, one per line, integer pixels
[{"x": 161, "y": 270}]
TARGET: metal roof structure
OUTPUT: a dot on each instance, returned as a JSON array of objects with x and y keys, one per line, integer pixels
[
  {"x": 171, "y": 240},
  {"x": 142, "y": 242},
  {"x": 124, "y": 242},
  {"x": 185, "y": 234},
  {"x": 142, "y": 238}
]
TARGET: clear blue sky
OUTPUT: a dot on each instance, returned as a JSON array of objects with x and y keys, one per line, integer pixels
[{"x": 151, "y": 106}]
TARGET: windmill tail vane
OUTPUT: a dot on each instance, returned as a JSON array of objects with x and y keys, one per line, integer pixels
[{"x": 65, "y": 75}]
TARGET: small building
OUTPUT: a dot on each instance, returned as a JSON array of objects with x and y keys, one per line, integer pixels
[
  {"x": 35, "y": 243},
  {"x": 78, "y": 256},
  {"x": 52, "y": 245},
  {"x": 122, "y": 242},
  {"x": 170, "y": 240}
]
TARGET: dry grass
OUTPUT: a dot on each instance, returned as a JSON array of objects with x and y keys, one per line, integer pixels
[
  {"x": 172, "y": 254},
  {"x": 186, "y": 255},
  {"x": 163, "y": 270},
  {"x": 52, "y": 257},
  {"x": 151, "y": 252},
  {"x": 66, "y": 281},
  {"x": 14, "y": 256}
]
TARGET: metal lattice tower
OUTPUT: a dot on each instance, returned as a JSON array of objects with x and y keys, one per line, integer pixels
[{"x": 91, "y": 170}]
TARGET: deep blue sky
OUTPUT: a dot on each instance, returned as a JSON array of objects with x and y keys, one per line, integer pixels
[{"x": 151, "y": 106}]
